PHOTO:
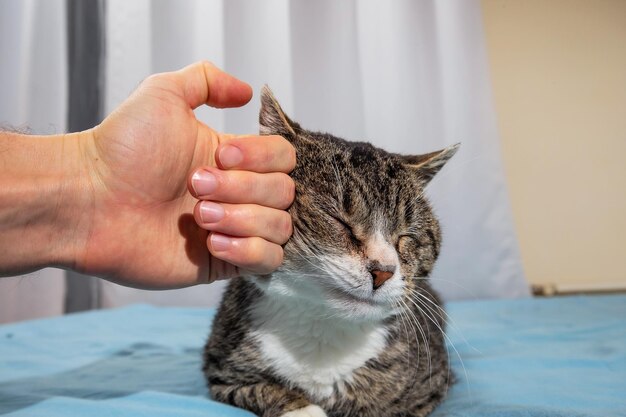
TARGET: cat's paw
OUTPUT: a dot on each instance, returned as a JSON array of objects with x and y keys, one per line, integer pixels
[{"x": 308, "y": 411}]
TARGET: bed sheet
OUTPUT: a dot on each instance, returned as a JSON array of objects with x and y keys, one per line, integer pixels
[{"x": 527, "y": 357}]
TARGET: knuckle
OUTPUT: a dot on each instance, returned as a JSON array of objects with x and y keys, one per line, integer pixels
[
  {"x": 285, "y": 227},
  {"x": 150, "y": 81},
  {"x": 205, "y": 63},
  {"x": 255, "y": 250},
  {"x": 263, "y": 256},
  {"x": 254, "y": 187},
  {"x": 266, "y": 156},
  {"x": 152, "y": 78},
  {"x": 251, "y": 219},
  {"x": 292, "y": 157},
  {"x": 158, "y": 78},
  {"x": 284, "y": 150},
  {"x": 278, "y": 258},
  {"x": 288, "y": 190},
  {"x": 273, "y": 259}
]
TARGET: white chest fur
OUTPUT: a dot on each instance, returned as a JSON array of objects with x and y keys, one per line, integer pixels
[{"x": 312, "y": 349}]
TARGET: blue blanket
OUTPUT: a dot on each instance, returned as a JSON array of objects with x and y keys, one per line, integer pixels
[{"x": 530, "y": 357}]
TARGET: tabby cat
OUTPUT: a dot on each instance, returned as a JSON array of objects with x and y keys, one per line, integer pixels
[{"x": 348, "y": 326}]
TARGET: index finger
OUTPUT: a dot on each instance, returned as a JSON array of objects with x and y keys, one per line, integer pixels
[{"x": 256, "y": 153}]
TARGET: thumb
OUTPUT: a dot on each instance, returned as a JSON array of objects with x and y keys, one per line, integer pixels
[{"x": 204, "y": 83}]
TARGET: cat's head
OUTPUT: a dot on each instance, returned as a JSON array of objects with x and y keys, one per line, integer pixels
[{"x": 364, "y": 234}]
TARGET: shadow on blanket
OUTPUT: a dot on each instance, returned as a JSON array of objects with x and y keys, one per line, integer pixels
[{"x": 139, "y": 367}]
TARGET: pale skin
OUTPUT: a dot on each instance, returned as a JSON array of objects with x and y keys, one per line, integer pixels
[{"x": 130, "y": 200}]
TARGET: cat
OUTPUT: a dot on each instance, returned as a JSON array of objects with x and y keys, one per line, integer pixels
[{"x": 348, "y": 326}]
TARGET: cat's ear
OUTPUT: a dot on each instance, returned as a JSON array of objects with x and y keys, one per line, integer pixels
[
  {"x": 272, "y": 118},
  {"x": 429, "y": 164}
]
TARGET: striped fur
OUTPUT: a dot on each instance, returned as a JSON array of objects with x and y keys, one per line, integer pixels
[{"x": 317, "y": 337}]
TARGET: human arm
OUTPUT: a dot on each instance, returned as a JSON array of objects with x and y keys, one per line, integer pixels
[
  {"x": 43, "y": 187},
  {"x": 113, "y": 201}
]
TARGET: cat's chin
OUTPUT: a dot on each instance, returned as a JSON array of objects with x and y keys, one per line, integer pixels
[
  {"x": 339, "y": 302},
  {"x": 360, "y": 312},
  {"x": 352, "y": 307}
]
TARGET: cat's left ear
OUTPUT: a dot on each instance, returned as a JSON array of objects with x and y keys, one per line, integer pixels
[
  {"x": 429, "y": 164},
  {"x": 272, "y": 118}
]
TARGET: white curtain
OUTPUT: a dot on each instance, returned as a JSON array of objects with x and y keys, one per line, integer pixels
[
  {"x": 410, "y": 76},
  {"x": 33, "y": 96}
]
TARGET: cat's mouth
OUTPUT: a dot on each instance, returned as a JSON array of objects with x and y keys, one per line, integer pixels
[{"x": 347, "y": 296}]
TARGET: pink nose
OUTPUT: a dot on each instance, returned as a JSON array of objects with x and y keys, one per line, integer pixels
[{"x": 380, "y": 277}]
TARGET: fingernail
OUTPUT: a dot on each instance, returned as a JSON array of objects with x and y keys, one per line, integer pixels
[
  {"x": 220, "y": 242},
  {"x": 230, "y": 156},
  {"x": 211, "y": 212},
  {"x": 203, "y": 182}
]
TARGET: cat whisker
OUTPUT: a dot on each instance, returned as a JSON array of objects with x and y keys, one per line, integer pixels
[
  {"x": 406, "y": 311},
  {"x": 445, "y": 317},
  {"x": 423, "y": 334},
  {"x": 416, "y": 293},
  {"x": 306, "y": 248},
  {"x": 402, "y": 310},
  {"x": 424, "y": 313},
  {"x": 339, "y": 271},
  {"x": 406, "y": 332},
  {"x": 445, "y": 335},
  {"x": 468, "y": 291}
]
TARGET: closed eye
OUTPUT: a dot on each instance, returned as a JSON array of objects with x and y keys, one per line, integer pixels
[
  {"x": 347, "y": 228},
  {"x": 403, "y": 241}
]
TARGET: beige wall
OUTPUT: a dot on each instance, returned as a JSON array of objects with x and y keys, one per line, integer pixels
[{"x": 559, "y": 76}]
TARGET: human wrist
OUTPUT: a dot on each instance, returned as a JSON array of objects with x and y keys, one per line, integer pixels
[{"x": 44, "y": 201}]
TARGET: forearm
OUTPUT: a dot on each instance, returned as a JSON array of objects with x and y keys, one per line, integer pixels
[{"x": 43, "y": 201}]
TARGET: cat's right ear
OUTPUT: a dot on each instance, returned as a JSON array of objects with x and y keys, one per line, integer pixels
[
  {"x": 428, "y": 165},
  {"x": 272, "y": 118}
]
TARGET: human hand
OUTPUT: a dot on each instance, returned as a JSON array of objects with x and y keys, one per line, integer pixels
[{"x": 146, "y": 164}]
